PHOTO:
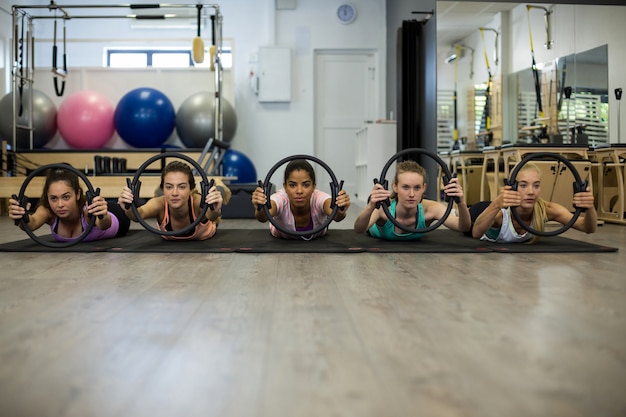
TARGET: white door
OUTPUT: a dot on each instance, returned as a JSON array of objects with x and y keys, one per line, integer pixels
[{"x": 345, "y": 99}]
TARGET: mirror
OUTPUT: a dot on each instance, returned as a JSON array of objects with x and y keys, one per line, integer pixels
[
  {"x": 576, "y": 111},
  {"x": 491, "y": 74}
]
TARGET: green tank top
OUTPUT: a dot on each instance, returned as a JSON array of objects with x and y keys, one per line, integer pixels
[{"x": 388, "y": 230}]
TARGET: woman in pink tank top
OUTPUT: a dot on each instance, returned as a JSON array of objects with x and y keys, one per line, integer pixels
[{"x": 299, "y": 206}]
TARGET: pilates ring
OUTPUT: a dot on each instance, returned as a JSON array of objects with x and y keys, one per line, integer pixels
[
  {"x": 335, "y": 187},
  {"x": 580, "y": 185},
  {"x": 446, "y": 179},
  {"x": 89, "y": 194},
  {"x": 135, "y": 187}
]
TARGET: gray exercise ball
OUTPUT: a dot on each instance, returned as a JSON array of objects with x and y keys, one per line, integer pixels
[
  {"x": 195, "y": 120},
  {"x": 44, "y": 119}
]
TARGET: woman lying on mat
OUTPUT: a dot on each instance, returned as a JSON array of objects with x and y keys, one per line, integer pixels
[
  {"x": 299, "y": 206},
  {"x": 177, "y": 207},
  {"x": 63, "y": 205},
  {"x": 495, "y": 223},
  {"x": 409, "y": 207}
]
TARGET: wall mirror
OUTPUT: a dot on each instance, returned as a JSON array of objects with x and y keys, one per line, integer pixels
[
  {"x": 564, "y": 101},
  {"x": 574, "y": 90}
]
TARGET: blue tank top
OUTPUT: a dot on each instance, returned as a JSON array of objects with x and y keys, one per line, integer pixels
[{"x": 388, "y": 230}]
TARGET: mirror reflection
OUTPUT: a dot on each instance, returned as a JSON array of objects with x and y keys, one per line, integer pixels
[
  {"x": 511, "y": 73},
  {"x": 576, "y": 111}
]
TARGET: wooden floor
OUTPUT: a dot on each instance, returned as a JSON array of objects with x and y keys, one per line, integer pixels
[{"x": 315, "y": 335}]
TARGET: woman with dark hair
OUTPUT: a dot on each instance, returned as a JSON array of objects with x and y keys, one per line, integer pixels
[
  {"x": 299, "y": 205},
  {"x": 177, "y": 207},
  {"x": 63, "y": 206},
  {"x": 409, "y": 207}
]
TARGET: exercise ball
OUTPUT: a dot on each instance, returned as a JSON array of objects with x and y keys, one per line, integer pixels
[
  {"x": 145, "y": 118},
  {"x": 237, "y": 164},
  {"x": 85, "y": 120},
  {"x": 44, "y": 119},
  {"x": 195, "y": 120}
]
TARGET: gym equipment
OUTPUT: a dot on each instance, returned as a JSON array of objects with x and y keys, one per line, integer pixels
[
  {"x": 90, "y": 194},
  {"x": 85, "y": 120},
  {"x": 44, "y": 120},
  {"x": 213, "y": 48},
  {"x": 495, "y": 48},
  {"x": 195, "y": 120},
  {"x": 579, "y": 186},
  {"x": 534, "y": 67},
  {"x": 198, "y": 44},
  {"x": 459, "y": 51},
  {"x": 55, "y": 70},
  {"x": 22, "y": 50},
  {"x": 447, "y": 176},
  {"x": 335, "y": 187},
  {"x": 237, "y": 164},
  {"x": 618, "y": 97},
  {"x": 568, "y": 94},
  {"x": 486, "y": 118},
  {"x": 144, "y": 117},
  {"x": 135, "y": 187}
]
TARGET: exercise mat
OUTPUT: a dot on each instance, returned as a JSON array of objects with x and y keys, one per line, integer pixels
[{"x": 335, "y": 241}]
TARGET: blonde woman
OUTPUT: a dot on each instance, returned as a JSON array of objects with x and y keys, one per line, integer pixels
[
  {"x": 409, "y": 207},
  {"x": 496, "y": 223}
]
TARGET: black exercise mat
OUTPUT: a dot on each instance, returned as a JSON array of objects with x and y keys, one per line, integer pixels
[
  {"x": 336, "y": 241},
  {"x": 447, "y": 241},
  {"x": 550, "y": 244},
  {"x": 29, "y": 245}
]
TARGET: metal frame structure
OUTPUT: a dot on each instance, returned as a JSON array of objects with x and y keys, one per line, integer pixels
[{"x": 22, "y": 57}]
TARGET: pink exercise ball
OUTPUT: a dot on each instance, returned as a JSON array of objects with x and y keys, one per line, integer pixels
[{"x": 85, "y": 120}]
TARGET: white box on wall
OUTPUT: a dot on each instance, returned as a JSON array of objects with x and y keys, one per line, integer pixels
[{"x": 274, "y": 74}]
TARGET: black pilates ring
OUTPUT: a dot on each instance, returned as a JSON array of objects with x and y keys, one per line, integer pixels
[
  {"x": 22, "y": 199},
  {"x": 447, "y": 176},
  {"x": 335, "y": 187},
  {"x": 135, "y": 187},
  {"x": 580, "y": 185}
]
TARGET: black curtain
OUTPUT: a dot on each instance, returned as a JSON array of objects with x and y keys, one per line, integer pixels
[
  {"x": 410, "y": 79},
  {"x": 417, "y": 92}
]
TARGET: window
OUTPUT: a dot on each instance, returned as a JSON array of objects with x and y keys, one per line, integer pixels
[{"x": 160, "y": 58}]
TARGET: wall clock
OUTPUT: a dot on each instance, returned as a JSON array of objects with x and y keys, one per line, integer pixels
[{"x": 346, "y": 13}]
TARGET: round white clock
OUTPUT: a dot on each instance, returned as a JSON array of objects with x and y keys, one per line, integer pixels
[{"x": 346, "y": 13}]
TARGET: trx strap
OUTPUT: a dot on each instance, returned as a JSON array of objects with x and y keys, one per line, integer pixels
[
  {"x": 55, "y": 70},
  {"x": 534, "y": 67},
  {"x": 455, "y": 136},
  {"x": 487, "y": 111},
  {"x": 21, "y": 66}
]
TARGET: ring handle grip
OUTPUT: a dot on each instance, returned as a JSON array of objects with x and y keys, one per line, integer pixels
[
  {"x": 90, "y": 196},
  {"x": 446, "y": 181},
  {"x": 205, "y": 191},
  {"x": 22, "y": 203},
  {"x": 579, "y": 188}
]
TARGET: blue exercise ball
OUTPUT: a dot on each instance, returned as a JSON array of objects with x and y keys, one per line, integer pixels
[
  {"x": 237, "y": 164},
  {"x": 44, "y": 114},
  {"x": 145, "y": 118}
]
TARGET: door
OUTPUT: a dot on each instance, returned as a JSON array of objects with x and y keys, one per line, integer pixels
[{"x": 345, "y": 99}]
